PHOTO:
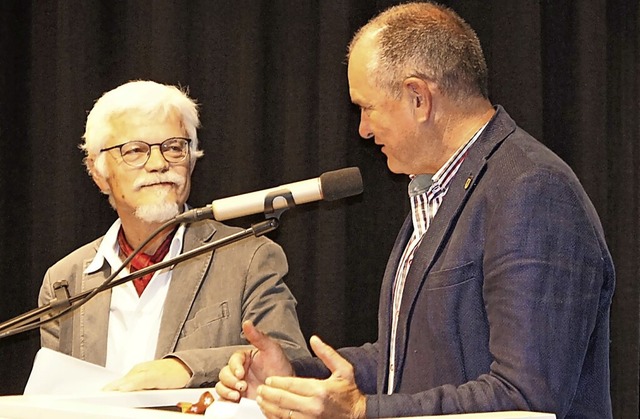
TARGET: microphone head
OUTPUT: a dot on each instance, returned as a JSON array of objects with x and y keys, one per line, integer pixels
[{"x": 341, "y": 183}]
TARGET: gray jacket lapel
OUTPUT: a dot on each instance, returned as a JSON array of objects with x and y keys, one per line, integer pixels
[
  {"x": 93, "y": 321},
  {"x": 186, "y": 280}
]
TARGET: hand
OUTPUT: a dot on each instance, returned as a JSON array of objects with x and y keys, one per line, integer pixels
[
  {"x": 336, "y": 397},
  {"x": 248, "y": 368},
  {"x": 157, "y": 374}
]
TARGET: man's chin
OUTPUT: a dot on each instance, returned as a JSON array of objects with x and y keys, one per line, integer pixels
[
  {"x": 157, "y": 213},
  {"x": 399, "y": 168},
  {"x": 394, "y": 167}
]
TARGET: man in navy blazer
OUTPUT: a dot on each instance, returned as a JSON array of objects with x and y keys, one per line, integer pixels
[{"x": 498, "y": 290}]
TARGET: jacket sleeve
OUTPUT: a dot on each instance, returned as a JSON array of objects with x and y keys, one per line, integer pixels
[
  {"x": 50, "y": 331},
  {"x": 268, "y": 302},
  {"x": 363, "y": 359}
]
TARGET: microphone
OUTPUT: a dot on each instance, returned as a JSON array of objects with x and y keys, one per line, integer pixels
[{"x": 330, "y": 186}]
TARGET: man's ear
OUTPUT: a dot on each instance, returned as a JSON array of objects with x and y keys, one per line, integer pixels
[
  {"x": 419, "y": 93},
  {"x": 100, "y": 180}
]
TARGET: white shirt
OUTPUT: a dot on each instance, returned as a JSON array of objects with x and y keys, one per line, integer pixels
[{"x": 134, "y": 321}]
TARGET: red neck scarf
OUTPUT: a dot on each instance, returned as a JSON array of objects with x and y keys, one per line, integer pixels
[{"x": 142, "y": 260}]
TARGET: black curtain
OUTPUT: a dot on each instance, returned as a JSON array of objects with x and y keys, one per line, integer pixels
[{"x": 271, "y": 80}]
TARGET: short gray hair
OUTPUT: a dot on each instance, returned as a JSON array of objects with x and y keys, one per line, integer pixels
[{"x": 428, "y": 41}]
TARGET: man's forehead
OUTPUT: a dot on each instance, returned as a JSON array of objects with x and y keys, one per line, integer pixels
[
  {"x": 136, "y": 117},
  {"x": 358, "y": 77}
]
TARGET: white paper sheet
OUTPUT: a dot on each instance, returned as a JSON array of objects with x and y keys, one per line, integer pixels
[
  {"x": 54, "y": 373},
  {"x": 56, "y": 376},
  {"x": 224, "y": 410}
]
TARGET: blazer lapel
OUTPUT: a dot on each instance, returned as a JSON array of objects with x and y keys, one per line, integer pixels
[
  {"x": 461, "y": 187},
  {"x": 186, "y": 280},
  {"x": 93, "y": 321}
]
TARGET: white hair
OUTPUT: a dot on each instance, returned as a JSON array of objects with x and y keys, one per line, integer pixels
[{"x": 138, "y": 97}]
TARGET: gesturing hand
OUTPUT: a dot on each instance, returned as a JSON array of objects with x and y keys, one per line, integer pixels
[
  {"x": 336, "y": 397},
  {"x": 249, "y": 368}
]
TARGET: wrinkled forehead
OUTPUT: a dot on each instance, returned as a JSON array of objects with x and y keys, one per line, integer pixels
[
  {"x": 134, "y": 117},
  {"x": 126, "y": 124}
]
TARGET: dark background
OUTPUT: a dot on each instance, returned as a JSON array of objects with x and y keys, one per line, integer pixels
[{"x": 271, "y": 80}]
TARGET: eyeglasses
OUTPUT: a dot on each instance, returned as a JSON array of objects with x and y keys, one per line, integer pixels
[{"x": 136, "y": 153}]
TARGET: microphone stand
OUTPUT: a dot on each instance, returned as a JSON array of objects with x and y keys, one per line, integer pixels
[{"x": 62, "y": 300}]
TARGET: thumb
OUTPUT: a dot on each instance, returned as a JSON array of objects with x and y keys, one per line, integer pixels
[
  {"x": 255, "y": 337},
  {"x": 331, "y": 358}
]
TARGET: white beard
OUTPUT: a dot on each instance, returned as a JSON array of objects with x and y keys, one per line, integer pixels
[{"x": 159, "y": 211}]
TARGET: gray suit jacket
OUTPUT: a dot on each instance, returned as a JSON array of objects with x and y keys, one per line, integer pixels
[
  {"x": 506, "y": 304},
  {"x": 209, "y": 297}
]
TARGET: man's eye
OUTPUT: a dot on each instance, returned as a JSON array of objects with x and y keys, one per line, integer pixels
[
  {"x": 133, "y": 150},
  {"x": 173, "y": 149}
]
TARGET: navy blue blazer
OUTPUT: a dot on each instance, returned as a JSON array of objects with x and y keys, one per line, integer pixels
[{"x": 506, "y": 305}]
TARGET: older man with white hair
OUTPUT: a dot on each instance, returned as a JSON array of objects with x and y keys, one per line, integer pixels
[{"x": 177, "y": 326}]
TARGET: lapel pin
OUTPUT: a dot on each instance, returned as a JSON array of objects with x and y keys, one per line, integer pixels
[{"x": 467, "y": 183}]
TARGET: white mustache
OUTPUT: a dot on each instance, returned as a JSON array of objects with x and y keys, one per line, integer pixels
[{"x": 154, "y": 179}]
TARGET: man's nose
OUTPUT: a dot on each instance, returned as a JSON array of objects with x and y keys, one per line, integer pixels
[
  {"x": 364, "y": 129},
  {"x": 156, "y": 159}
]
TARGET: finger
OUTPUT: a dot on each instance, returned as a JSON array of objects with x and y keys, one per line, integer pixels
[
  {"x": 227, "y": 393},
  {"x": 238, "y": 363},
  {"x": 132, "y": 381},
  {"x": 271, "y": 411},
  {"x": 331, "y": 358},
  {"x": 258, "y": 339},
  {"x": 115, "y": 385},
  {"x": 229, "y": 380},
  {"x": 305, "y": 387},
  {"x": 278, "y": 402}
]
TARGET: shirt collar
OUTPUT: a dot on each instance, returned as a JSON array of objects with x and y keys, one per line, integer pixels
[
  {"x": 422, "y": 183},
  {"x": 109, "y": 249}
]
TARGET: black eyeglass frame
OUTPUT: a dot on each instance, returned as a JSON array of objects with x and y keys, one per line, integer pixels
[{"x": 119, "y": 147}]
